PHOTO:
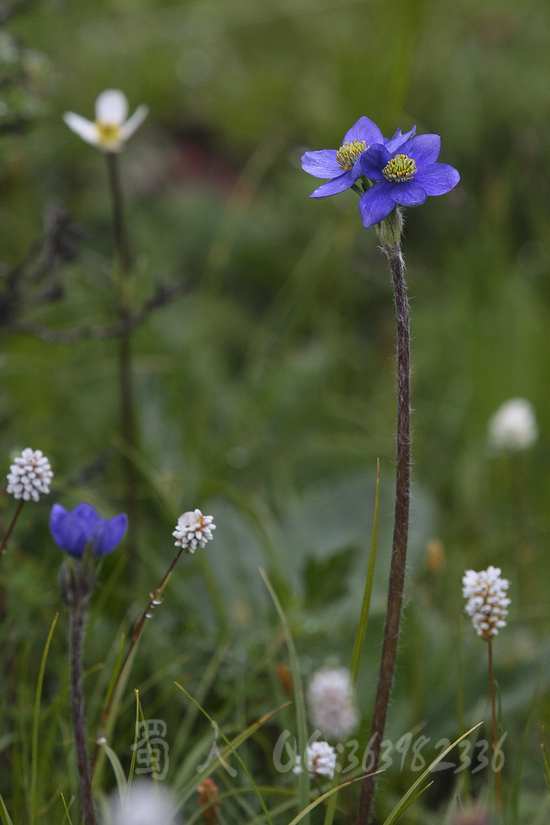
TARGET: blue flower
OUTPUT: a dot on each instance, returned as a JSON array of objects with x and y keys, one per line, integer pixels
[
  {"x": 72, "y": 531},
  {"x": 405, "y": 176},
  {"x": 342, "y": 166}
]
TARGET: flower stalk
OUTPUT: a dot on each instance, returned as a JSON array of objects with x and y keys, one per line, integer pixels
[
  {"x": 389, "y": 233},
  {"x": 10, "y": 528},
  {"x": 127, "y": 409},
  {"x": 497, "y": 762},
  {"x": 78, "y": 620}
]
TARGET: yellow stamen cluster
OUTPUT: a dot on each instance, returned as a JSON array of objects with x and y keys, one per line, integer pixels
[
  {"x": 349, "y": 152},
  {"x": 108, "y": 131},
  {"x": 399, "y": 169}
]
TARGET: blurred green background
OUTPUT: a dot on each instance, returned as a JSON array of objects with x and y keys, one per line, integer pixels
[{"x": 266, "y": 392}]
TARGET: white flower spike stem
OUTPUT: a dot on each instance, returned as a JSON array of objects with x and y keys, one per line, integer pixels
[
  {"x": 29, "y": 477},
  {"x": 487, "y": 606},
  {"x": 112, "y": 127},
  {"x": 155, "y": 598}
]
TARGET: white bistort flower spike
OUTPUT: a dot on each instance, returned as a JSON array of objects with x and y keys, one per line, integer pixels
[
  {"x": 513, "y": 426},
  {"x": 193, "y": 530},
  {"x": 146, "y": 803},
  {"x": 30, "y": 475},
  {"x": 321, "y": 761},
  {"x": 487, "y": 601},
  {"x": 331, "y": 703},
  {"x": 112, "y": 127}
]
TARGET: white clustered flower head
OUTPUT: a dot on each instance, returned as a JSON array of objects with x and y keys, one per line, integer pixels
[
  {"x": 513, "y": 426},
  {"x": 487, "y": 600},
  {"x": 193, "y": 530},
  {"x": 146, "y": 803},
  {"x": 29, "y": 475},
  {"x": 331, "y": 703},
  {"x": 321, "y": 760},
  {"x": 112, "y": 127}
]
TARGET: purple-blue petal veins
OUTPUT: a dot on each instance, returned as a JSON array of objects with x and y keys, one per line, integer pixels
[
  {"x": 438, "y": 179},
  {"x": 73, "y": 530}
]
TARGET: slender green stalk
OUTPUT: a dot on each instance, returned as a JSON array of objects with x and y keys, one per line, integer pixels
[
  {"x": 35, "y": 722},
  {"x": 365, "y": 608},
  {"x": 497, "y": 765},
  {"x": 127, "y": 407},
  {"x": 390, "y": 235},
  {"x": 78, "y": 619}
]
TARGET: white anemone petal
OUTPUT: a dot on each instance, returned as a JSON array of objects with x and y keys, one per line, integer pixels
[
  {"x": 111, "y": 107},
  {"x": 84, "y": 128}
]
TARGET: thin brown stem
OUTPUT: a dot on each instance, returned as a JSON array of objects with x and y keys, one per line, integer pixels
[
  {"x": 10, "y": 528},
  {"x": 401, "y": 523},
  {"x": 498, "y": 776}
]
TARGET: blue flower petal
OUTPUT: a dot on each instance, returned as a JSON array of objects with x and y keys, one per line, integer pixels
[
  {"x": 333, "y": 187},
  {"x": 424, "y": 149},
  {"x": 321, "y": 164},
  {"x": 399, "y": 139},
  {"x": 111, "y": 533},
  {"x": 364, "y": 129},
  {"x": 67, "y": 531},
  {"x": 373, "y": 161},
  {"x": 376, "y": 204},
  {"x": 437, "y": 179},
  {"x": 408, "y": 193},
  {"x": 72, "y": 531}
]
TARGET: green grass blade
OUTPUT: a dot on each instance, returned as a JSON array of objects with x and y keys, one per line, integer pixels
[
  {"x": 117, "y": 767},
  {"x": 299, "y": 698},
  {"x": 365, "y": 608},
  {"x": 307, "y": 810},
  {"x": 6, "y": 819},
  {"x": 35, "y": 722},
  {"x": 415, "y": 789},
  {"x": 231, "y": 747},
  {"x": 361, "y": 627}
]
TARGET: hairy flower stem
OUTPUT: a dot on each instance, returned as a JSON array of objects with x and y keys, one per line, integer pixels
[
  {"x": 127, "y": 414},
  {"x": 498, "y": 777},
  {"x": 390, "y": 233},
  {"x": 78, "y": 618}
]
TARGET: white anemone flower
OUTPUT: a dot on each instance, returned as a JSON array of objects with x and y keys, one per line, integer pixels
[{"x": 112, "y": 127}]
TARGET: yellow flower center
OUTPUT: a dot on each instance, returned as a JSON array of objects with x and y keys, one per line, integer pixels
[
  {"x": 399, "y": 169},
  {"x": 108, "y": 132},
  {"x": 349, "y": 152}
]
